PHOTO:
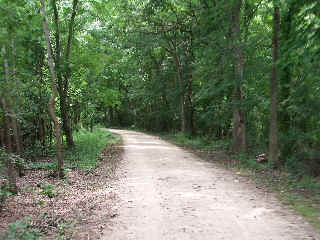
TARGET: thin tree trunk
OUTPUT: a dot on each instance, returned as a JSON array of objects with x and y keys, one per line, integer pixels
[
  {"x": 65, "y": 109},
  {"x": 239, "y": 138},
  {"x": 54, "y": 93},
  {"x": 63, "y": 85},
  {"x": 12, "y": 122},
  {"x": 67, "y": 123},
  {"x": 6, "y": 126},
  {"x": 285, "y": 118},
  {"x": 182, "y": 95},
  {"x": 8, "y": 143},
  {"x": 7, "y": 119},
  {"x": 15, "y": 123},
  {"x": 1, "y": 135},
  {"x": 273, "y": 135}
]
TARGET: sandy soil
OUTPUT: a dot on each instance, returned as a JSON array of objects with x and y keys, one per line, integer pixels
[{"x": 168, "y": 193}]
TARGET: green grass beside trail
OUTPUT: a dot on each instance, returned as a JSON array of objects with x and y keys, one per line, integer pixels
[
  {"x": 85, "y": 154},
  {"x": 88, "y": 147},
  {"x": 300, "y": 191}
]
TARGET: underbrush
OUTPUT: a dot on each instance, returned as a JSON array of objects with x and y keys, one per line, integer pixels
[
  {"x": 294, "y": 186},
  {"x": 84, "y": 156},
  {"x": 46, "y": 204},
  {"x": 21, "y": 230},
  {"x": 89, "y": 146},
  {"x": 200, "y": 143}
]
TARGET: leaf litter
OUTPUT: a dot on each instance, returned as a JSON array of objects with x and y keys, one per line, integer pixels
[{"x": 77, "y": 207}]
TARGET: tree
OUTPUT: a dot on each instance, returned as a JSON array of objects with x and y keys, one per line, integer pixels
[
  {"x": 63, "y": 68},
  {"x": 51, "y": 104},
  {"x": 239, "y": 138},
  {"x": 273, "y": 136},
  {"x": 7, "y": 125}
]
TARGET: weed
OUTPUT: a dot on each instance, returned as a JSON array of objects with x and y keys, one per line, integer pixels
[
  {"x": 21, "y": 230},
  {"x": 48, "y": 190},
  {"x": 65, "y": 230},
  {"x": 89, "y": 146}
]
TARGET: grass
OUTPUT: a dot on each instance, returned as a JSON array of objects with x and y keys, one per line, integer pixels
[
  {"x": 85, "y": 154},
  {"x": 301, "y": 192},
  {"x": 200, "y": 143},
  {"x": 89, "y": 145}
]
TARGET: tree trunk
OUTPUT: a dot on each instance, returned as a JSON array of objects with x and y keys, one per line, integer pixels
[
  {"x": 64, "y": 109},
  {"x": 63, "y": 84},
  {"x": 11, "y": 122},
  {"x": 8, "y": 145},
  {"x": 54, "y": 93},
  {"x": 7, "y": 119},
  {"x": 273, "y": 134},
  {"x": 285, "y": 119},
  {"x": 239, "y": 138},
  {"x": 6, "y": 127},
  {"x": 1, "y": 135},
  {"x": 182, "y": 95},
  {"x": 15, "y": 123}
]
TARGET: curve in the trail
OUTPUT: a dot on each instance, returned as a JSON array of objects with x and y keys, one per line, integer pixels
[{"x": 168, "y": 193}]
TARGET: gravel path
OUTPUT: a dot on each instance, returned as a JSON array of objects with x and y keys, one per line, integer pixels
[{"x": 168, "y": 193}]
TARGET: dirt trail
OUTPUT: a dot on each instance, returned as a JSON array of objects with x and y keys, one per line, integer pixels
[{"x": 168, "y": 193}]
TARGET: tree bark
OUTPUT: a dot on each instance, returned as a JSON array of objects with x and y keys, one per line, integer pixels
[
  {"x": 8, "y": 146},
  {"x": 15, "y": 123},
  {"x": 285, "y": 118},
  {"x": 1, "y": 135},
  {"x": 11, "y": 120},
  {"x": 7, "y": 123},
  {"x": 7, "y": 118},
  {"x": 54, "y": 93},
  {"x": 239, "y": 138},
  {"x": 182, "y": 95},
  {"x": 6, "y": 127},
  {"x": 273, "y": 134},
  {"x": 63, "y": 84}
]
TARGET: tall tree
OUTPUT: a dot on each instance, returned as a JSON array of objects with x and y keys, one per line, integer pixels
[
  {"x": 273, "y": 135},
  {"x": 7, "y": 126},
  {"x": 63, "y": 69},
  {"x": 239, "y": 138},
  {"x": 51, "y": 105}
]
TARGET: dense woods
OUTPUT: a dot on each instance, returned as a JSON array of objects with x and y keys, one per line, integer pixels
[
  {"x": 241, "y": 75},
  {"x": 245, "y": 72}
]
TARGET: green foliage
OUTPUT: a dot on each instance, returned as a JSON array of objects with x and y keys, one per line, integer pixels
[
  {"x": 85, "y": 155},
  {"x": 4, "y": 193},
  {"x": 48, "y": 190},
  {"x": 202, "y": 143},
  {"x": 137, "y": 63},
  {"x": 188, "y": 141},
  {"x": 37, "y": 149},
  {"x": 65, "y": 230},
  {"x": 21, "y": 230},
  {"x": 14, "y": 159},
  {"x": 41, "y": 165},
  {"x": 89, "y": 146}
]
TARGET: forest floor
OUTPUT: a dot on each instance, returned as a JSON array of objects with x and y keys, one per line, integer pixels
[
  {"x": 77, "y": 207},
  {"x": 165, "y": 192}
]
